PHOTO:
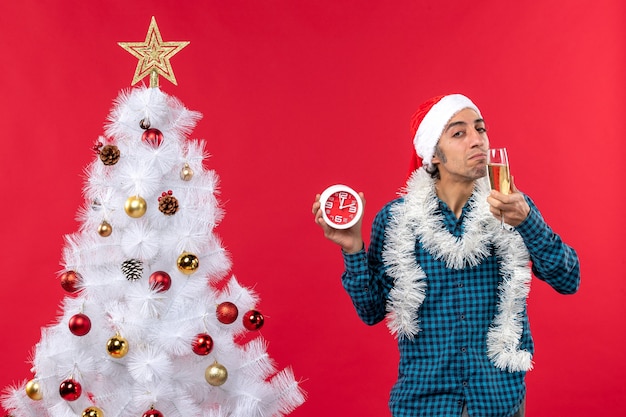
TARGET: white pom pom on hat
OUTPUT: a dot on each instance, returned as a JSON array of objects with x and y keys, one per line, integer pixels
[{"x": 429, "y": 121}]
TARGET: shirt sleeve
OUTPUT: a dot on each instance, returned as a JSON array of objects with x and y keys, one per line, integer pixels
[
  {"x": 364, "y": 278},
  {"x": 552, "y": 260}
]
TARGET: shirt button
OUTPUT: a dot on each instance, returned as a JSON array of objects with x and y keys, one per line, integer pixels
[
  {"x": 462, "y": 316},
  {"x": 366, "y": 289},
  {"x": 465, "y": 383},
  {"x": 460, "y": 285},
  {"x": 463, "y": 349}
]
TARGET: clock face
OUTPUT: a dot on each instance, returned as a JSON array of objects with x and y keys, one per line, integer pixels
[{"x": 341, "y": 206}]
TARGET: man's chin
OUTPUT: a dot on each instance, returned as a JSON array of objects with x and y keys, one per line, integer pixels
[{"x": 480, "y": 172}]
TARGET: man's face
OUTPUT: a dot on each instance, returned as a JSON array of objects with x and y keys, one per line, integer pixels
[{"x": 462, "y": 148}]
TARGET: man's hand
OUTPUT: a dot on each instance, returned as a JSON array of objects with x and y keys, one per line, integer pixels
[{"x": 513, "y": 207}]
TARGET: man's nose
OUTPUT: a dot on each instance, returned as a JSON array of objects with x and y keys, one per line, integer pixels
[{"x": 477, "y": 138}]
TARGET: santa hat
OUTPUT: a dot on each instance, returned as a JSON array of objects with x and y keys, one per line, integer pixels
[{"x": 428, "y": 122}]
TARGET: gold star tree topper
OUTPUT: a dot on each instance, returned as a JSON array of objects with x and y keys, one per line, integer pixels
[{"x": 154, "y": 56}]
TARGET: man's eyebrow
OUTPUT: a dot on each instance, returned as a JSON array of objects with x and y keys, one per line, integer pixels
[{"x": 451, "y": 125}]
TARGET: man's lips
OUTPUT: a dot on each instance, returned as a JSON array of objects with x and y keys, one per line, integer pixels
[{"x": 479, "y": 156}]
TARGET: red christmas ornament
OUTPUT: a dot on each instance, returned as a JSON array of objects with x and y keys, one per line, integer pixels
[
  {"x": 79, "y": 324},
  {"x": 161, "y": 281},
  {"x": 202, "y": 345},
  {"x": 70, "y": 281},
  {"x": 70, "y": 390},
  {"x": 152, "y": 136},
  {"x": 253, "y": 320},
  {"x": 152, "y": 413},
  {"x": 227, "y": 312}
]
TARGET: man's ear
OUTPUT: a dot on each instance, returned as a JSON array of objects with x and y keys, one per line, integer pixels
[
  {"x": 438, "y": 156},
  {"x": 435, "y": 158}
]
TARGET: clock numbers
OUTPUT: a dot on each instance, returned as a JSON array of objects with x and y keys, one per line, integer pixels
[{"x": 341, "y": 202}]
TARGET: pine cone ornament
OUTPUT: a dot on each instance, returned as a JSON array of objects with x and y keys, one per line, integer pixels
[
  {"x": 132, "y": 269},
  {"x": 109, "y": 154},
  {"x": 168, "y": 204}
]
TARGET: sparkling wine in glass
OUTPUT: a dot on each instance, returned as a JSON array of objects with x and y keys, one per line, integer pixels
[{"x": 498, "y": 172}]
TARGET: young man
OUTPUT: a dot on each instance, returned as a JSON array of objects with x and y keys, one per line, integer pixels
[{"x": 450, "y": 280}]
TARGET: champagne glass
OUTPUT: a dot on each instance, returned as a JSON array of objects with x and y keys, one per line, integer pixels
[{"x": 498, "y": 172}]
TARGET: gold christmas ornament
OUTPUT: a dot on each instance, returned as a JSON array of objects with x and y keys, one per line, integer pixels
[
  {"x": 186, "y": 174},
  {"x": 93, "y": 412},
  {"x": 154, "y": 56},
  {"x": 216, "y": 374},
  {"x": 187, "y": 263},
  {"x": 105, "y": 229},
  {"x": 135, "y": 206},
  {"x": 33, "y": 390},
  {"x": 117, "y": 346}
]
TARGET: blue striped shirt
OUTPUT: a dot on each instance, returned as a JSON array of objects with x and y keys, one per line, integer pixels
[{"x": 446, "y": 365}]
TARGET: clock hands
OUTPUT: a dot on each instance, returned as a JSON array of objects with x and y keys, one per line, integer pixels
[{"x": 341, "y": 206}]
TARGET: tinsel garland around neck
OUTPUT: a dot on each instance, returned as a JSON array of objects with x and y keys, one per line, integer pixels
[{"x": 415, "y": 218}]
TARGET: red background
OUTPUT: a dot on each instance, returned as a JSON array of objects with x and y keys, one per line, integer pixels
[{"x": 297, "y": 95}]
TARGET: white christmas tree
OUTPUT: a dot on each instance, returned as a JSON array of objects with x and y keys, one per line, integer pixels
[{"x": 152, "y": 325}]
